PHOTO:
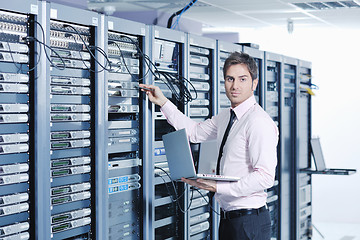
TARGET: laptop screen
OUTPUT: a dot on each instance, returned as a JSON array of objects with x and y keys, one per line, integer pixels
[
  {"x": 178, "y": 155},
  {"x": 317, "y": 154}
]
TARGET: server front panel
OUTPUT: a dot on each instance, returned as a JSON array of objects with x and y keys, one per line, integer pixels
[
  {"x": 201, "y": 75},
  {"x": 223, "y": 100},
  {"x": 167, "y": 57},
  {"x": 124, "y": 136},
  {"x": 16, "y": 108},
  {"x": 272, "y": 107},
  {"x": 72, "y": 129},
  {"x": 288, "y": 147},
  {"x": 304, "y": 135}
]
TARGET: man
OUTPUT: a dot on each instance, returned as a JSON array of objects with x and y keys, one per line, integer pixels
[{"x": 249, "y": 151}]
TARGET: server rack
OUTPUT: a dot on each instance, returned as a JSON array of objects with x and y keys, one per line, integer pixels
[
  {"x": 71, "y": 159},
  {"x": 17, "y": 75},
  {"x": 201, "y": 73},
  {"x": 167, "y": 52},
  {"x": 34, "y": 90},
  {"x": 288, "y": 150},
  {"x": 126, "y": 128},
  {"x": 272, "y": 84},
  {"x": 258, "y": 55},
  {"x": 224, "y": 49},
  {"x": 303, "y": 180}
]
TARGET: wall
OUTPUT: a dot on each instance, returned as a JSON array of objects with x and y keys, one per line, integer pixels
[{"x": 336, "y": 116}]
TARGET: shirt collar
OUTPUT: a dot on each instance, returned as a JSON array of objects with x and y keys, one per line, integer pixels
[{"x": 244, "y": 107}]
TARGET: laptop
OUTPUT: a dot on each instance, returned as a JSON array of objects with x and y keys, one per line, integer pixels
[
  {"x": 320, "y": 162},
  {"x": 180, "y": 160}
]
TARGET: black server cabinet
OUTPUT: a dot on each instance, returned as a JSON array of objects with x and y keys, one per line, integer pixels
[
  {"x": 288, "y": 148},
  {"x": 272, "y": 84},
  {"x": 201, "y": 73},
  {"x": 125, "y": 48},
  {"x": 72, "y": 36},
  {"x": 166, "y": 211},
  {"x": 304, "y": 181},
  {"x": 17, "y": 63}
]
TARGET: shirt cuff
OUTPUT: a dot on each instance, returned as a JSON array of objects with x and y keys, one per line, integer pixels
[
  {"x": 223, "y": 187},
  {"x": 167, "y": 108}
]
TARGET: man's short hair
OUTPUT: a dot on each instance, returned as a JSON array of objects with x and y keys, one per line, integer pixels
[{"x": 241, "y": 58}]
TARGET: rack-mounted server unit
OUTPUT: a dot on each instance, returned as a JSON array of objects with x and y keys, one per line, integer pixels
[
  {"x": 304, "y": 180},
  {"x": 71, "y": 58},
  {"x": 167, "y": 52},
  {"x": 288, "y": 147},
  {"x": 272, "y": 84},
  {"x": 17, "y": 59},
  {"x": 125, "y": 121},
  {"x": 201, "y": 74}
]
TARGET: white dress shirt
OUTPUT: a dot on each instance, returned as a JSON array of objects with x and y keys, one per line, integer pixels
[{"x": 249, "y": 152}]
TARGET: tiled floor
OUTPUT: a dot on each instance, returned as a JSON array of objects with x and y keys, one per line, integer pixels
[{"x": 336, "y": 231}]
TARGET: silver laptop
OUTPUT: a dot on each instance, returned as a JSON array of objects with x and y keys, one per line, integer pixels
[
  {"x": 320, "y": 162},
  {"x": 180, "y": 160}
]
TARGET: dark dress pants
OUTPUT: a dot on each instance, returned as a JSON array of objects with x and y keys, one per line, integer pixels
[{"x": 248, "y": 227}]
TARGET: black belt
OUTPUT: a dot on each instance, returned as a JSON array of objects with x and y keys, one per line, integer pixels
[{"x": 241, "y": 212}]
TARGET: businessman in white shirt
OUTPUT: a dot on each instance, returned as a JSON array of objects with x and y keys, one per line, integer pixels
[{"x": 247, "y": 149}]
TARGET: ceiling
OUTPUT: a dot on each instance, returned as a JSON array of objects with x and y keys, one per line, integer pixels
[{"x": 250, "y": 13}]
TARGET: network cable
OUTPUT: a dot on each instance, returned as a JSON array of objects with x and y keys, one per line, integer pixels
[
  {"x": 86, "y": 46},
  {"x": 142, "y": 57},
  {"x": 63, "y": 66},
  {"x": 176, "y": 200},
  {"x": 179, "y": 13},
  {"x": 20, "y": 70},
  {"x": 192, "y": 193},
  {"x": 175, "y": 82},
  {"x": 101, "y": 51},
  {"x": 177, "y": 85},
  {"x": 123, "y": 59},
  {"x": 211, "y": 207}
]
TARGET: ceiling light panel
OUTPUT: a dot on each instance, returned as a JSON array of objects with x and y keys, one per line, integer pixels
[
  {"x": 319, "y": 5},
  {"x": 326, "y": 5},
  {"x": 351, "y": 4},
  {"x": 304, "y": 6},
  {"x": 335, "y": 4}
]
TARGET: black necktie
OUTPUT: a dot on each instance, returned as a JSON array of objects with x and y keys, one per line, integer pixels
[{"x": 226, "y": 134}]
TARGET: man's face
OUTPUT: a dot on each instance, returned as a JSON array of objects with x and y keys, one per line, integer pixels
[{"x": 238, "y": 84}]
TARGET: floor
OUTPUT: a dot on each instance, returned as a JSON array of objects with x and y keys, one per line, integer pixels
[{"x": 336, "y": 231}]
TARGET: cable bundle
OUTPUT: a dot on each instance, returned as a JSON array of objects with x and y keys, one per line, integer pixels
[
  {"x": 175, "y": 82},
  {"x": 179, "y": 13},
  {"x": 178, "y": 197},
  {"x": 177, "y": 85}
]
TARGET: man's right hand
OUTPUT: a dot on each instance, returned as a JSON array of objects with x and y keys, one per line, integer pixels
[{"x": 154, "y": 93}]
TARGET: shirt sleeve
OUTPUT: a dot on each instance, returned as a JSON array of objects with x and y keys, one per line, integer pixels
[
  {"x": 262, "y": 135},
  {"x": 196, "y": 131}
]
